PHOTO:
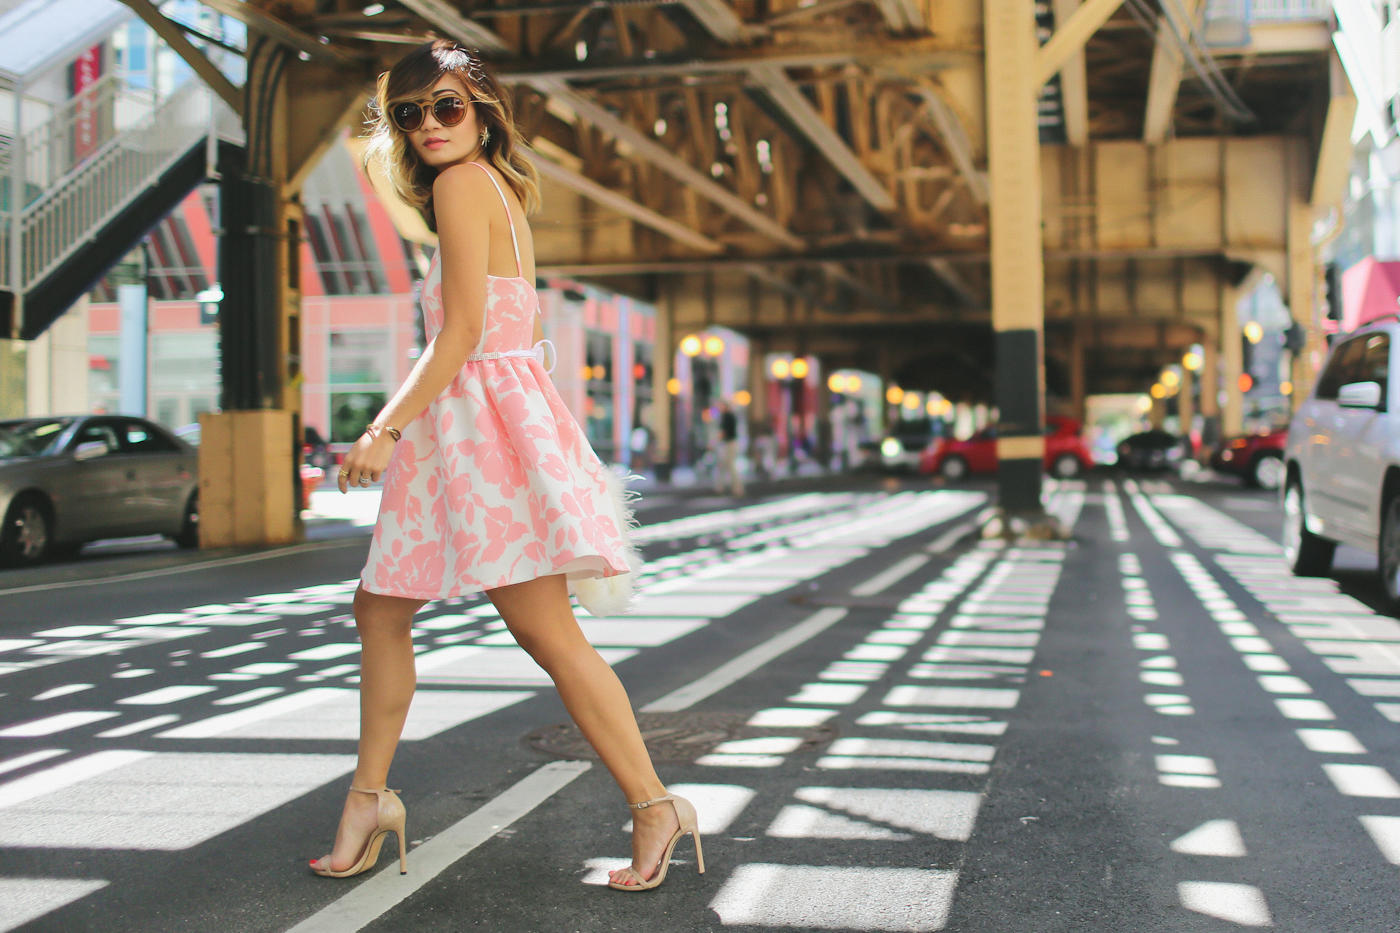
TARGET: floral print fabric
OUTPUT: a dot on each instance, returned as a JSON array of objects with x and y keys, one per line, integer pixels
[{"x": 495, "y": 482}]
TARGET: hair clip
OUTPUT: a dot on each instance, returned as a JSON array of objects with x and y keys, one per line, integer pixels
[{"x": 476, "y": 69}]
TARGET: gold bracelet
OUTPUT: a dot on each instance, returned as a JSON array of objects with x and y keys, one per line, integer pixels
[{"x": 373, "y": 430}]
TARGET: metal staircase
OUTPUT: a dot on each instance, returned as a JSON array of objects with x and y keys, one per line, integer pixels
[{"x": 79, "y": 189}]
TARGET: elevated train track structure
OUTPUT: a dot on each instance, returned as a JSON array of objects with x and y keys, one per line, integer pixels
[{"x": 1001, "y": 200}]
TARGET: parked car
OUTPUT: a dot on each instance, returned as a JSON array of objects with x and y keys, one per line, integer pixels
[
  {"x": 1153, "y": 449},
  {"x": 1066, "y": 454},
  {"x": 903, "y": 444},
  {"x": 1342, "y": 460},
  {"x": 1255, "y": 458},
  {"x": 68, "y": 480}
]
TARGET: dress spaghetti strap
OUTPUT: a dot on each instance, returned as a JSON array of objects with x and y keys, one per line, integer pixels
[{"x": 515, "y": 244}]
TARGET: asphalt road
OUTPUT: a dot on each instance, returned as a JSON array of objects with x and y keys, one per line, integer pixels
[{"x": 886, "y": 724}]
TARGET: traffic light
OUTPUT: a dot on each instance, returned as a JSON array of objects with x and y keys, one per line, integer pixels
[
  {"x": 1332, "y": 285},
  {"x": 1295, "y": 338},
  {"x": 1246, "y": 354}
]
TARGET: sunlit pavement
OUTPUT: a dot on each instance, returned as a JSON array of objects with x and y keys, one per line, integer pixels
[{"x": 885, "y": 723}]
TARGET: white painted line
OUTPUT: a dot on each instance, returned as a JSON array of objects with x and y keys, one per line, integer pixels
[
  {"x": 356, "y": 541},
  {"x": 883, "y": 581},
  {"x": 24, "y": 761},
  {"x": 145, "y": 725},
  {"x": 951, "y": 537},
  {"x": 385, "y": 889},
  {"x": 59, "y": 723},
  {"x": 746, "y": 663}
]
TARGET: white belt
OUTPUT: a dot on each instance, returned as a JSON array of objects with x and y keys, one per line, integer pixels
[{"x": 537, "y": 352}]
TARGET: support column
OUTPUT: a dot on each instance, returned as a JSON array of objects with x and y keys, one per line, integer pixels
[
  {"x": 663, "y": 355},
  {"x": 1018, "y": 274},
  {"x": 1210, "y": 392},
  {"x": 1232, "y": 362},
  {"x": 1303, "y": 272},
  {"x": 1076, "y": 374},
  {"x": 1185, "y": 404},
  {"x": 758, "y": 388},
  {"x": 1157, "y": 414}
]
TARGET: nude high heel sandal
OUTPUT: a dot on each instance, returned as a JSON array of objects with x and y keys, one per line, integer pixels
[
  {"x": 391, "y": 820},
  {"x": 685, "y": 812}
]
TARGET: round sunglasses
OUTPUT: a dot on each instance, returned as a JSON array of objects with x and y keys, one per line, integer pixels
[{"x": 449, "y": 110}]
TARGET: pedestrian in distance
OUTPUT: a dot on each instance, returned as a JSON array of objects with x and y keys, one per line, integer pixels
[
  {"x": 489, "y": 482},
  {"x": 728, "y": 465}
]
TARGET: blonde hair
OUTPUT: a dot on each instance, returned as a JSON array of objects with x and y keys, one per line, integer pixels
[{"x": 414, "y": 77}]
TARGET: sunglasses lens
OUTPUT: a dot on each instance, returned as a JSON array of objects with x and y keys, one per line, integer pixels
[
  {"x": 407, "y": 116},
  {"x": 449, "y": 111}
]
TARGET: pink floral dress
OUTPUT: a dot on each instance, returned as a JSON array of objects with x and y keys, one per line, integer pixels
[{"x": 495, "y": 483}]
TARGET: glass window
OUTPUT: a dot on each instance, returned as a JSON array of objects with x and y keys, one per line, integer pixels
[
  {"x": 351, "y": 411},
  {"x": 1342, "y": 367},
  {"x": 137, "y": 438},
  {"x": 23, "y": 438},
  {"x": 1375, "y": 363},
  {"x": 103, "y": 431},
  {"x": 359, "y": 358}
]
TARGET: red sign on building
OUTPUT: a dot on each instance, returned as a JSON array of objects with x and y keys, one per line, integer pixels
[{"x": 86, "y": 72}]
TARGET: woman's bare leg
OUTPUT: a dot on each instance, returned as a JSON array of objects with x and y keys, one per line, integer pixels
[
  {"x": 540, "y": 618},
  {"x": 387, "y": 681}
]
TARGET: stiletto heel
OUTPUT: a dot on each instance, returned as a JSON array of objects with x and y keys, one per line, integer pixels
[
  {"x": 685, "y": 813},
  {"x": 392, "y": 817}
]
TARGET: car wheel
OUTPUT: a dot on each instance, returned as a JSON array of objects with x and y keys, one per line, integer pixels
[
  {"x": 1267, "y": 471},
  {"x": 1065, "y": 466},
  {"x": 1390, "y": 551},
  {"x": 953, "y": 468},
  {"x": 27, "y": 536},
  {"x": 1307, "y": 554},
  {"x": 188, "y": 536}
]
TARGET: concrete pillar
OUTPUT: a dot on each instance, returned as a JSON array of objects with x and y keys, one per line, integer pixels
[
  {"x": 1018, "y": 273},
  {"x": 1157, "y": 414},
  {"x": 1232, "y": 362},
  {"x": 57, "y": 366},
  {"x": 13, "y": 388},
  {"x": 758, "y": 387},
  {"x": 1210, "y": 392},
  {"x": 663, "y": 355},
  {"x": 1303, "y": 274},
  {"x": 1076, "y": 374},
  {"x": 244, "y": 459},
  {"x": 1185, "y": 404}
]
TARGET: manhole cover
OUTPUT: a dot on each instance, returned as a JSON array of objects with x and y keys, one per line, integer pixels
[{"x": 674, "y": 736}]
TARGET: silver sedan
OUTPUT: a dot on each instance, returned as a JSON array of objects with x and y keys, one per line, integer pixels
[{"x": 67, "y": 480}]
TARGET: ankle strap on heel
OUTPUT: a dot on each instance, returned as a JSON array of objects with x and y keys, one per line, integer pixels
[
  {"x": 651, "y": 803},
  {"x": 370, "y": 790}
]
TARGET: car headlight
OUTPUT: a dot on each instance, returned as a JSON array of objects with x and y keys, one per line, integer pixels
[{"x": 890, "y": 447}]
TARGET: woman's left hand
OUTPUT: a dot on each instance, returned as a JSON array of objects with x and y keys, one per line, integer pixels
[{"x": 366, "y": 461}]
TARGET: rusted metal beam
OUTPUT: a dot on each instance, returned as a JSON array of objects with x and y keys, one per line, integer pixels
[
  {"x": 665, "y": 160},
  {"x": 174, "y": 37},
  {"x": 1070, "y": 37},
  {"x": 278, "y": 30},
  {"x": 445, "y": 16},
  {"x": 623, "y": 205},
  {"x": 795, "y": 105}
]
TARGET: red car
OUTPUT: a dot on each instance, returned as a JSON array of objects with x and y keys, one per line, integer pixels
[
  {"x": 1065, "y": 452},
  {"x": 1255, "y": 458}
]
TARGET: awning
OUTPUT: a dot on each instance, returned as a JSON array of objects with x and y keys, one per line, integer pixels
[{"x": 1369, "y": 291}]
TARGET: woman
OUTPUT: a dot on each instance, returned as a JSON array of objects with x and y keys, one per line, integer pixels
[{"x": 488, "y": 481}]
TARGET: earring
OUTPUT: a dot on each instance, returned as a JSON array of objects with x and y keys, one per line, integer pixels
[{"x": 485, "y": 136}]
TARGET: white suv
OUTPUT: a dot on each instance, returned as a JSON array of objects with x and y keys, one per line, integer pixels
[{"x": 1342, "y": 483}]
